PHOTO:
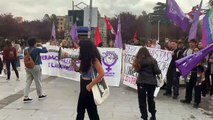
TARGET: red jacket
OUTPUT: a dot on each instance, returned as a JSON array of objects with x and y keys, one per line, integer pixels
[{"x": 6, "y": 51}]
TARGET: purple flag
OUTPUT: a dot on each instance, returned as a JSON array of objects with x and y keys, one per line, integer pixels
[
  {"x": 193, "y": 29},
  {"x": 74, "y": 33},
  {"x": 118, "y": 38},
  {"x": 186, "y": 64},
  {"x": 176, "y": 15},
  {"x": 204, "y": 31},
  {"x": 207, "y": 28},
  {"x": 53, "y": 34}
]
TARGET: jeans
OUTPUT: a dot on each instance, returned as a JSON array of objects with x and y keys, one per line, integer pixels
[
  {"x": 13, "y": 63},
  {"x": 33, "y": 74},
  {"x": 86, "y": 102}
]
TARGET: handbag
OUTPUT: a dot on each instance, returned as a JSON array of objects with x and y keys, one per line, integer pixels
[
  {"x": 160, "y": 81},
  {"x": 100, "y": 90}
]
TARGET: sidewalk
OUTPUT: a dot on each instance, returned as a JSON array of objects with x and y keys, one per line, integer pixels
[{"x": 62, "y": 102}]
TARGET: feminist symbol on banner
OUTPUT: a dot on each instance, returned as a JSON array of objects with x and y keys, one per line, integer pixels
[{"x": 109, "y": 59}]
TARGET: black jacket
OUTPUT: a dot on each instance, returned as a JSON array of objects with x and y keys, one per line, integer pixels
[{"x": 147, "y": 74}]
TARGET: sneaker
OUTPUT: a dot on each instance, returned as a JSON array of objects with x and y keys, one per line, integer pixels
[
  {"x": 185, "y": 101},
  {"x": 17, "y": 79},
  {"x": 42, "y": 96},
  {"x": 27, "y": 100},
  {"x": 7, "y": 79}
]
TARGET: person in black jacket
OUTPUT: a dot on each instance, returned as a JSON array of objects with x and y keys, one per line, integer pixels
[
  {"x": 173, "y": 74},
  {"x": 147, "y": 68}
]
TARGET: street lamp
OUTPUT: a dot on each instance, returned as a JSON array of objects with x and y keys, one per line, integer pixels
[{"x": 158, "y": 31}]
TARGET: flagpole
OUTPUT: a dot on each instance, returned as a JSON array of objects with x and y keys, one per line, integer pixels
[
  {"x": 90, "y": 20},
  {"x": 158, "y": 31}
]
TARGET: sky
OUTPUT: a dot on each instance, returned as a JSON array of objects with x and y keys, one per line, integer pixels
[{"x": 35, "y": 9}]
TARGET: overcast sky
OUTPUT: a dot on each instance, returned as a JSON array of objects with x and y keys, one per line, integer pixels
[{"x": 35, "y": 9}]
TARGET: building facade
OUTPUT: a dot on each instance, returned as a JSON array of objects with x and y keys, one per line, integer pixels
[
  {"x": 19, "y": 19},
  {"x": 61, "y": 23},
  {"x": 81, "y": 17}
]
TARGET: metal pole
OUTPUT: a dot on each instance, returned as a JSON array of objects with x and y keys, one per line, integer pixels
[
  {"x": 73, "y": 5},
  {"x": 158, "y": 31},
  {"x": 90, "y": 20}
]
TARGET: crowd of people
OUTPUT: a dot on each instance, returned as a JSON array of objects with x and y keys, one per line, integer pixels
[{"x": 200, "y": 79}]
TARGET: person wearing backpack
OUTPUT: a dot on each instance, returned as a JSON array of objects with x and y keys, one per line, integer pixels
[
  {"x": 32, "y": 61},
  {"x": 10, "y": 57}
]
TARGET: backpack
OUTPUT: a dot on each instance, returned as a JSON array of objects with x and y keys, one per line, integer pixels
[
  {"x": 28, "y": 60},
  {"x": 11, "y": 53}
]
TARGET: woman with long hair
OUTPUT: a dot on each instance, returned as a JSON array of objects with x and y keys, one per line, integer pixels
[
  {"x": 147, "y": 68},
  {"x": 90, "y": 64}
]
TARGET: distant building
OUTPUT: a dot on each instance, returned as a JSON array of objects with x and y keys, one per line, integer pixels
[
  {"x": 19, "y": 19},
  {"x": 95, "y": 16},
  {"x": 61, "y": 23},
  {"x": 81, "y": 17},
  {"x": 103, "y": 30}
]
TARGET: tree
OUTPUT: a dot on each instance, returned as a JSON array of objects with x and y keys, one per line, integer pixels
[
  {"x": 211, "y": 3},
  {"x": 128, "y": 25},
  {"x": 46, "y": 17}
]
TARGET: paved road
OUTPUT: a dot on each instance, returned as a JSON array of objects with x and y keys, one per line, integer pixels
[{"x": 62, "y": 101}]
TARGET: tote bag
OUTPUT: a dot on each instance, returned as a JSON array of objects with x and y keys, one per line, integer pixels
[{"x": 100, "y": 90}]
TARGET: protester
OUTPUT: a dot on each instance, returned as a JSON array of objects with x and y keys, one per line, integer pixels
[
  {"x": 70, "y": 44},
  {"x": 167, "y": 45},
  {"x": 181, "y": 47},
  {"x": 35, "y": 72},
  {"x": 148, "y": 43},
  {"x": 155, "y": 44},
  {"x": 192, "y": 45},
  {"x": 90, "y": 62},
  {"x": 111, "y": 44},
  {"x": 173, "y": 75},
  {"x": 196, "y": 78},
  {"x": 64, "y": 44},
  {"x": 200, "y": 46},
  {"x": 136, "y": 42},
  {"x": 209, "y": 73},
  {"x": 10, "y": 57},
  {"x": 147, "y": 68},
  {"x": 18, "y": 50}
]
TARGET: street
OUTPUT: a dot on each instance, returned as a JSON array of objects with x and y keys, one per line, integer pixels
[{"x": 63, "y": 96}]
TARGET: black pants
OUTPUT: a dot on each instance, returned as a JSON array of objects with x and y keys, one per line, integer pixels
[
  {"x": 211, "y": 85},
  {"x": 173, "y": 82},
  {"x": 146, "y": 92},
  {"x": 86, "y": 101},
  {"x": 13, "y": 63},
  {"x": 189, "y": 88}
]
